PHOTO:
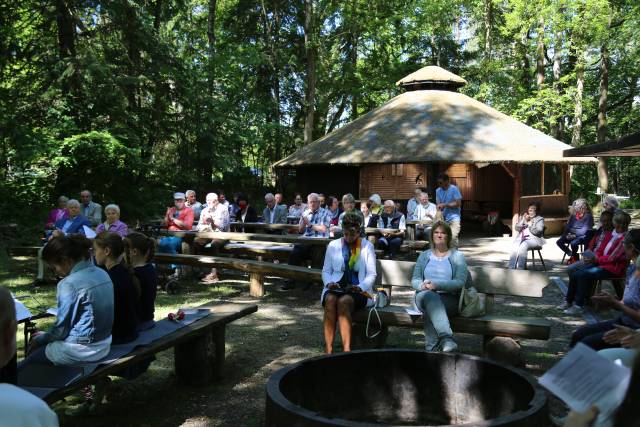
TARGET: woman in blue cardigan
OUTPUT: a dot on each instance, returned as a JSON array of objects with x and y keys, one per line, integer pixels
[
  {"x": 575, "y": 232},
  {"x": 438, "y": 277}
]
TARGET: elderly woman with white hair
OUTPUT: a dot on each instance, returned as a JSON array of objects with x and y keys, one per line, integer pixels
[
  {"x": 576, "y": 229},
  {"x": 113, "y": 223}
]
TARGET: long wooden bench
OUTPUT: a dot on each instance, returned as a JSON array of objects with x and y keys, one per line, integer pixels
[
  {"x": 199, "y": 350},
  {"x": 488, "y": 280},
  {"x": 260, "y": 251},
  {"x": 28, "y": 251},
  {"x": 257, "y": 269}
]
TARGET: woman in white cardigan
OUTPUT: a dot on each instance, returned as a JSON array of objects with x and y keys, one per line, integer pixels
[{"x": 348, "y": 274}]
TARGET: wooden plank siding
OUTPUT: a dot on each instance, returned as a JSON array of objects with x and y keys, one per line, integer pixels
[{"x": 392, "y": 181}]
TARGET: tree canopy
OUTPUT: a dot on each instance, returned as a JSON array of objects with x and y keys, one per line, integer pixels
[{"x": 133, "y": 98}]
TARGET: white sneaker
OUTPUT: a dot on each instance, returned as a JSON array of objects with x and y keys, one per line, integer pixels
[
  {"x": 449, "y": 345},
  {"x": 564, "y": 306},
  {"x": 574, "y": 310}
]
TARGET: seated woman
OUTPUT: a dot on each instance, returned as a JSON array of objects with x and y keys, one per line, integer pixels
[
  {"x": 138, "y": 253},
  {"x": 575, "y": 231},
  {"x": 603, "y": 233},
  {"x": 530, "y": 230},
  {"x": 608, "y": 261},
  {"x": 629, "y": 306},
  {"x": 82, "y": 331},
  {"x": 297, "y": 208},
  {"x": 57, "y": 214},
  {"x": 438, "y": 277},
  {"x": 333, "y": 206},
  {"x": 113, "y": 223},
  {"x": 349, "y": 205},
  {"x": 348, "y": 274},
  {"x": 108, "y": 249}
]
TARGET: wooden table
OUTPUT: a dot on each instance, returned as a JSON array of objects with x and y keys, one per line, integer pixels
[
  {"x": 262, "y": 226},
  {"x": 411, "y": 227}
]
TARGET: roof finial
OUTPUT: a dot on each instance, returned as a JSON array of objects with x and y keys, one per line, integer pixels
[{"x": 432, "y": 77}]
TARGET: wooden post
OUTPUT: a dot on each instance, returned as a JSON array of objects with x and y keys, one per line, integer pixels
[
  {"x": 541, "y": 178},
  {"x": 516, "y": 198},
  {"x": 256, "y": 285},
  {"x": 201, "y": 359}
]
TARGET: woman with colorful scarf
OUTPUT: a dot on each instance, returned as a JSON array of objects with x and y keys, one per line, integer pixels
[{"x": 348, "y": 274}]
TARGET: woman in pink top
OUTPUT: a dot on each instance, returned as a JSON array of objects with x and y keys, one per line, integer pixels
[{"x": 58, "y": 213}]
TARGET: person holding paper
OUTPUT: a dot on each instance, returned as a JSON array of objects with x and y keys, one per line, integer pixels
[
  {"x": 72, "y": 224},
  {"x": 530, "y": 230},
  {"x": 348, "y": 274},
  {"x": 438, "y": 277},
  {"x": 82, "y": 331},
  {"x": 18, "y": 407},
  {"x": 629, "y": 306},
  {"x": 113, "y": 223}
]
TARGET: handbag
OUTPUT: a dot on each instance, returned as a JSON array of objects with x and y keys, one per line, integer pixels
[
  {"x": 472, "y": 303},
  {"x": 380, "y": 300}
]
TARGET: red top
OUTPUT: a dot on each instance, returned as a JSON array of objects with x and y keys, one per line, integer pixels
[
  {"x": 615, "y": 260},
  {"x": 185, "y": 215}
]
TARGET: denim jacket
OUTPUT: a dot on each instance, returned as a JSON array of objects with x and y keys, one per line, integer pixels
[
  {"x": 85, "y": 307},
  {"x": 458, "y": 268}
]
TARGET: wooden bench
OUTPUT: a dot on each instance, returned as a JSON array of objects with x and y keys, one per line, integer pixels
[
  {"x": 261, "y": 251},
  {"x": 27, "y": 251},
  {"x": 487, "y": 280},
  {"x": 261, "y": 226},
  {"x": 199, "y": 350},
  {"x": 257, "y": 269}
]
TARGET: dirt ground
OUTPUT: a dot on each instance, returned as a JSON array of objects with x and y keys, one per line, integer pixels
[{"x": 286, "y": 329}]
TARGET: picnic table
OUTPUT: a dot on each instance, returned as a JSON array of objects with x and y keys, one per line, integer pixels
[
  {"x": 411, "y": 227},
  {"x": 263, "y": 226}
]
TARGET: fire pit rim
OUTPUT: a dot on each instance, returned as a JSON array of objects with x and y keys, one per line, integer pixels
[{"x": 538, "y": 400}]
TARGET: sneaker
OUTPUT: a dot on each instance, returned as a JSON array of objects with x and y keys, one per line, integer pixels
[
  {"x": 448, "y": 345},
  {"x": 563, "y": 306},
  {"x": 574, "y": 310}
]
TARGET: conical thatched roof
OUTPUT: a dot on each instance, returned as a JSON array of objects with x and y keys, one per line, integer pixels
[
  {"x": 432, "y": 73},
  {"x": 432, "y": 126}
]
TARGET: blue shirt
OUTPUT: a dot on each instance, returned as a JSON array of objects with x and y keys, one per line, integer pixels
[
  {"x": 85, "y": 306},
  {"x": 449, "y": 195},
  {"x": 631, "y": 297},
  {"x": 319, "y": 217}
]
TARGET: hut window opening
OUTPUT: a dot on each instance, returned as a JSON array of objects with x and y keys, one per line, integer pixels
[
  {"x": 531, "y": 179},
  {"x": 397, "y": 169},
  {"x": 552, "y": 179}
]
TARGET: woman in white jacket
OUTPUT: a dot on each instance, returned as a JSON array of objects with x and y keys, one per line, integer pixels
[{"x": 348, "y": 274}]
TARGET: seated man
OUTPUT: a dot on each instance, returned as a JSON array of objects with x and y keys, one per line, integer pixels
[
  {"x": 194, "y": 204},
  {"x": 178, "y": 218},
  {"x": 424, "y": 211},
  {"x": 314, "y": 223},
  {"x": 18, "y": 407},
  {"x": 214, "y": 218},
  {"x": 390, "y": 220},
  {"x": 279, "y": 200},
  {"x": 90, "y": 209},
  {"x": 413, "y": 202},
  {"x": 273, "y": 213}
]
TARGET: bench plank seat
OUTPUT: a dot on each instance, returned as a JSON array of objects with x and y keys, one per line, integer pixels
[{"x": 190, "y": 365}]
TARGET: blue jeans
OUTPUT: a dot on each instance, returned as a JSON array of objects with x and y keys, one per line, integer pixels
[
  {"x": 564, "y": 244},
  {"x": 390, "y": 245},
  {"x": 436, "y": 309},
  {"x": 170, "y": 245},
  {"x": 581, "y": 282},
  {"x": 591, "y": 335}
]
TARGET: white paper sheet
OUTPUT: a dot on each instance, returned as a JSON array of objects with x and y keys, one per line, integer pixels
[
  {"x": 584, "y": 378},
  {"x": 22, "y": 312},
  {"x": 88, "y": 233}
]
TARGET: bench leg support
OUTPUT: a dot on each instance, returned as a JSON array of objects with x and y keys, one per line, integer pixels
[
  {"x": 256, "y": 285},
  {"x": 201, "y": 359}
]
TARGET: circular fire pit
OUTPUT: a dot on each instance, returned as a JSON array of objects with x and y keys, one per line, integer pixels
[{"x": 403, "y": 387}]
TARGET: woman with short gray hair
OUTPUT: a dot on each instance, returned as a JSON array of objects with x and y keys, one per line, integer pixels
[
  {"x": 113, "y": 223},
  {"x": 575, "y": 232}
]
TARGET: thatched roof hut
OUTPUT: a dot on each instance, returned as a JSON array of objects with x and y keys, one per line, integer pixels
[{"x": 432, "y": 128}]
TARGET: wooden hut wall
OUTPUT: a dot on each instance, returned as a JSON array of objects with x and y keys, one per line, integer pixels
[{"x": 392, "y": 181}]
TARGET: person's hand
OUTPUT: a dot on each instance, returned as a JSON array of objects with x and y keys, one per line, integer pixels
[
  {"x": 355, "y": 289},
  {"x": 615, "y": 336},
  {"x": 386, "y": 235},
  {"x": 632, "y": 340},
  {"x": 428, "y": 285},
  {"x": 441, "y": 206},
  {"x": 305, "y": 220},
  {"x": 606, "y": 300},
  {"x": 57, "y": 233},
  {"x": 332, "y": 286},
  {"x": 526, "y": 217},
  {"x": 582, "y": 419},
  {"x": 178, "y": 222},
  {"x": 33, "y": 344}
]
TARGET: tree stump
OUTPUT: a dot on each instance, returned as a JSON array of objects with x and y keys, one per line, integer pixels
[{"x": 200, "y": 360}]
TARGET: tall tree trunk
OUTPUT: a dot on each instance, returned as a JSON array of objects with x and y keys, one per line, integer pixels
[
  {"x": 488, "y": 26},
  {"x": 603, "y": 180},
  {"x": 557, "y": 123},
  {"x": 211, "y": 38},
  {"x": 540, "y": 55},
  {"x": 577, "y": 112},
  {"x": 310, "y": 49},
  {"x": 158, "y": 92}
]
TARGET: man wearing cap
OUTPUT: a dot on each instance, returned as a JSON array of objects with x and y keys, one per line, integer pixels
[
  {"x": 178, "y": 218},
  {"x": 89, "y": 209}
]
